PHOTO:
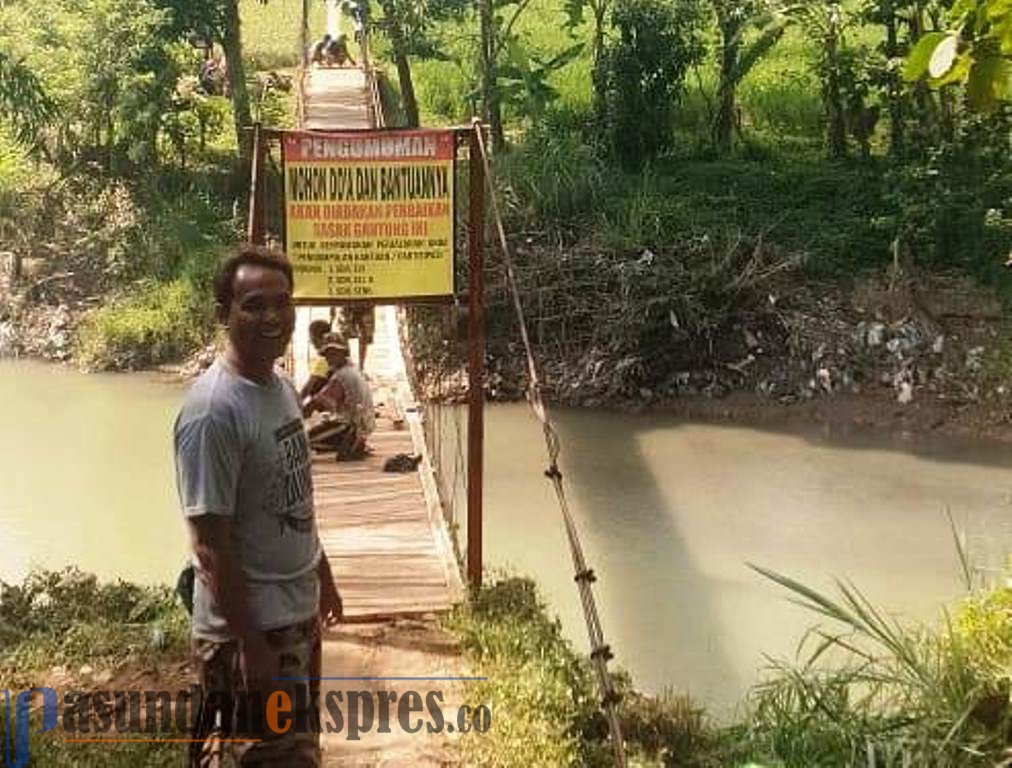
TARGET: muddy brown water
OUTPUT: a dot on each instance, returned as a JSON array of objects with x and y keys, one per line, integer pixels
[{"x": 670, "y": 513}]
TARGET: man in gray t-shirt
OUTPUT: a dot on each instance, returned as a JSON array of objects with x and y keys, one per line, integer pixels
[{"x": 245, "y": 488}]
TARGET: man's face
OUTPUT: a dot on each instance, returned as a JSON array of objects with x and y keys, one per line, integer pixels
[
  {"x": 335, "y": 357},
  {"x": 261, "y": 317}
]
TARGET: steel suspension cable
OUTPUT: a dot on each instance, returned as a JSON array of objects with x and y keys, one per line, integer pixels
[{"x": 600, "y": 651}]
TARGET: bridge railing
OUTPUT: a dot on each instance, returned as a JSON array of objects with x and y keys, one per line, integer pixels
[{"x": 440, "y": 386}]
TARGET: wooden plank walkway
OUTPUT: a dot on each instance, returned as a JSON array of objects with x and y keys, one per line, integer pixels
[
  {"x": 384, "y": 534},
  {"x": 334, "y": 98}
]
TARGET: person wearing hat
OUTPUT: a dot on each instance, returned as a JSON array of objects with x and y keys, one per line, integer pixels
[{"x": 346, "y": 402}]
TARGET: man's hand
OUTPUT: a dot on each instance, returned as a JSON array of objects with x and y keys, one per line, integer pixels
[
  {"x": 331, "y": 605},
  {"x": 259, "y": 663}
]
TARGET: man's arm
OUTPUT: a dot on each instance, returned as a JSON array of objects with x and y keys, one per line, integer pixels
[
  {"x": 331, "y": 605},
  {"x": 330, "y": 397},
  {"x": 211, "y": 537},
  {"x": 311, "y": 387}
]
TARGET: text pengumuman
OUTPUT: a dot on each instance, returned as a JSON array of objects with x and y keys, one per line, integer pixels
[{"x": 367, "y": 148}]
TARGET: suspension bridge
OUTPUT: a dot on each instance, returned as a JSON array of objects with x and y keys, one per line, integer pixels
[{"x": 403, "y": 546}]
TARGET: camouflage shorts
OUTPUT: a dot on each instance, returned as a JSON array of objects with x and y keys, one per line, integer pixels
[
  {"x": 230, "y": 735},
  {"x": 357, "y": 321}
]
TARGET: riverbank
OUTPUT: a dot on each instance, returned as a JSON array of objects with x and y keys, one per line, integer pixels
[
  {"x": 847, "y": 358},
  {"x": 930, "y": 356},
  {"x": 946, "y": 682}
]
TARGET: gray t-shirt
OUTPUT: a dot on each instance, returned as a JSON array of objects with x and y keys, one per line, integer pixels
[
  {"x": 356, "y": 405},
  {"x": 242, "y": 451}
]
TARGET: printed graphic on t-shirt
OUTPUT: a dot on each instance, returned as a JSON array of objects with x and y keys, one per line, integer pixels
[{"x": 292, "y": 495}]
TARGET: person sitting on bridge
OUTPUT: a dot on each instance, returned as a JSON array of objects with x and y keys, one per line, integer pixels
[
  {"x": 319, "y": 369},
  {"x": 346, "y": 402},
  {"x": 337, "y": 54},
  {"x": 318, "y": 53}
]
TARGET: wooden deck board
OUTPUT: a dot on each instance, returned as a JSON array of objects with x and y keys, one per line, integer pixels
[
  {"x": 383, "y": 533},
  {"x": 335, "y": 98}
]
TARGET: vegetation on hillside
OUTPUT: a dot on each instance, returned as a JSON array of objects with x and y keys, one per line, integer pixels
[
  {"x": 849, "y": 135},
  {"x": 120, "y": 184},
  {"x": 667, "y": 168}
]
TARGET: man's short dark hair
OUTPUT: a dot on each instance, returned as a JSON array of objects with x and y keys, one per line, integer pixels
[
  {"x": 247, "y": 253},
  {"x": 321, "y": 326}
]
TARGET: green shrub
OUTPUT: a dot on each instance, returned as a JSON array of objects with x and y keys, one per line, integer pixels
[
  {"x": 159, "y": 322},
  {"x": 645, "y": 67}
]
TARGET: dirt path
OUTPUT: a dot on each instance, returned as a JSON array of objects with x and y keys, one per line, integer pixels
[{"x": 401, "y": 649}]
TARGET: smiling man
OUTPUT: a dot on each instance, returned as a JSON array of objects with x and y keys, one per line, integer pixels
[{"x": 245, "y": 488}]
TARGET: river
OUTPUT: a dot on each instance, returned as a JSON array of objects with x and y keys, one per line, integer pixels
[{"x": 670, "y": 513}]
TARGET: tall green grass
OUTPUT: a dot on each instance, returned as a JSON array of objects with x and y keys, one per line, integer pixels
[
  {"x": 272, "y": 32},
  {"x": 556, "y": 181},
  {"x": 869, "y": 692}
]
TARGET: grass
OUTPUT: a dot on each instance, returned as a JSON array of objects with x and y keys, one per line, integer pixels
[
  {"x": 828, "y": 212},
  {"x": 866, "y": 692},
  {"x": 537, "y": 687},
  {"x": 870, "y": 691},
  {"x": 271, "y": 32},
  {"x": 68, "y": 618}
]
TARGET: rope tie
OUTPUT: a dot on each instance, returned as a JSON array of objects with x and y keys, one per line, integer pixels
[
  {"x": 553, "y": 473},
  {"x": 587, "y": 575},
  {"x": 584, "y": 578}
]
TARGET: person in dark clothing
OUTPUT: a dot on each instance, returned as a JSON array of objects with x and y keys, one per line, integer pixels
[
  {"x": 337, "y": 52},
  {"x": 318, "y": 53}
]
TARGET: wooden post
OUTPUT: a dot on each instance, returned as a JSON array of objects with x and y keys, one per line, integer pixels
[
  {"x": 476, "y": 362},
  {"x": 305, "y": 34},
  {"x": 256, "y": 230}
]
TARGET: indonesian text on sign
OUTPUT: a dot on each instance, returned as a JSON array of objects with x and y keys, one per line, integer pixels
[{"x": 370, "y": 215}]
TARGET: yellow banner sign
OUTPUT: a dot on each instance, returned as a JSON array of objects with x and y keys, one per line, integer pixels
[{"x": 369, "y": 215}]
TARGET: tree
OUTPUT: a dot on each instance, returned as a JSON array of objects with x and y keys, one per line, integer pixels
[
  {"x": 975, "y": 50},
  {"x": 600, "y": 9},
  {"x": 491, "y": 107},
  {"x": 230, "y": 36},
  {"x": 499, "y": 55},
  {"x": 217, "y": 21},
  {"x": 886, "y": 13},
  {"x": 24, "y": 103},
  {"x": 400, "y": 19},
  {"x": 409, "y": 26},
  {"x": 736, "y": 57},
  {"x": 645, "y": 68},
  {"x": 841, "y": 71}
]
